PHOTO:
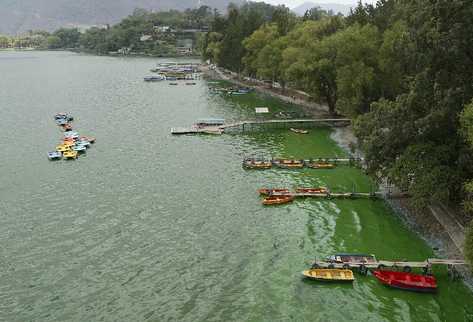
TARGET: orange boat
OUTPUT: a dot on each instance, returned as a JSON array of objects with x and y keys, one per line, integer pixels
[
  {"x": 257, "y": 164},
  {"x": 289, "y": 164},
  {"x": 277, "y": 200},
  {"x": 312, "y": 190},
  {"x": 320, "y": 165},
  {"x": 270, "y": 191}
]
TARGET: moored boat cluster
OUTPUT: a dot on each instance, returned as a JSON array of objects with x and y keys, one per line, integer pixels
[
  {"x": 174, "y": 72},
  {"x": 262, "y": 164},
  {"x": 72, "y": 144},
  {"x": 394, "y": 274}
]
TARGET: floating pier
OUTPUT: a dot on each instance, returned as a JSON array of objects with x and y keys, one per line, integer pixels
[{"x": 196, "y": 130}]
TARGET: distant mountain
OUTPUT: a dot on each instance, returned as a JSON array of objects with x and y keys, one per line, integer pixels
[
  {"x": 335, "y": 7},
  {"x": 17, "y": 16}
]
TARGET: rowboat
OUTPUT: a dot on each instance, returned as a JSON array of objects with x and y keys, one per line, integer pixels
[
  {"x": 329, "y": 275},
  {"x": 352, "y": 258},
  {"x": 320, "y": 165},
  {"x": 270, "y": 191},
  {"x": 312, "y": 190},
  {"x": 407, "y": 281},
  {"x": 54, "y": 155},
  {"x": 257, "y": 164},
  {"x": 277, "y": 200},
  {"x": 174, "y": 84},
  {"x": 70, "y": 154},
  {"x": 288, "y": 164},
  {"x": 299, "y": 131}
]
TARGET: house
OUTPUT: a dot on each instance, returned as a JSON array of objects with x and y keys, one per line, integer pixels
[
  {"x": 146, "y": 37},
  {"x": 163, "y": 29}
]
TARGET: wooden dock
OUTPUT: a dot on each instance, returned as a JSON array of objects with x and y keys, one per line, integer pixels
[
  {"x": 196, "y": 130},
  {"x": 330, "y": 195},
  {"x": 245, "y": 125},
  {"x": 331, "y": 121},
  {"x": 406, "y": 266}
]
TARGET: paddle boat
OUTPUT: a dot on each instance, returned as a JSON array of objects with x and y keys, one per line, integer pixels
[
  {"x": 71, "y": 134},
  {"x": 277, "y": 200},
  {"x": 270, "y": 191},
  {"x": 82, "y": 143},
  {"x": 68, "y": 143},
  {"x": 319, "y": 165},
  {"x": 70, "y": 154},
  {"x": 299, "y": 131},
  {"x": 329, "y": 275},
  {"x": 87, "y": 138},
  {"x": 257, "y": 164},
  {"x": 67, "y": 127},
  {"x": 288, "y": 164},
  {"x": 154, "y": 78},
  {"x": 62, "y": 148},
  {"x": 61, "y": 122},
  {"x": 79, "y": 148},
  {"x": 312, "y": 190},
  {"x": 55, "y": 155},
  {"x": 63, "y": 116},
  {"x": 407, "y": 281}
]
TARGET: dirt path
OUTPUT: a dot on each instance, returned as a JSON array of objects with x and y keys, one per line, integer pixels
[{"x": 311, "y": 108}]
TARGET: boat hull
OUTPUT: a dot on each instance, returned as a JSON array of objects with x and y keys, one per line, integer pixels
[
  {"x": 330, "y": 275},
  {"x": 277, "y": 200},
  {"x": 407, "y": 281}
]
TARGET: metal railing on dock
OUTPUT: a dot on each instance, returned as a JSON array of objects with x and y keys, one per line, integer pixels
[{"x": 251, "y": 124}]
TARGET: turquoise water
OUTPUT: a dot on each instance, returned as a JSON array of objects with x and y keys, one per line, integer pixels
[{"x": 152, "y": 227}]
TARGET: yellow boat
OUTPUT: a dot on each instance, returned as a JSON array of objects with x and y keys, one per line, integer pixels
[
  {"x": 329, "y": 274},
  {"x": 62, "y": 148},
  {"x": 70, "y": 154}
]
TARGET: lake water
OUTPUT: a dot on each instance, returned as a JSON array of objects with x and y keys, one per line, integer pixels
[{"x": 152, "y": 227}]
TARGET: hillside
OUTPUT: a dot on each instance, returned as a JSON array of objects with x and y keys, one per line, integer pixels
[
  {"x": 335, "y": 7},
  {"x": 17, "y": 16}
]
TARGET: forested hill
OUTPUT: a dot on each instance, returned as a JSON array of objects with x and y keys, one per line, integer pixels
[{"x": 17, "y": 16}]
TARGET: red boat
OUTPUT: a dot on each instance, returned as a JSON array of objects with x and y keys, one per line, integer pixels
[{"x": 407, "y": 281}]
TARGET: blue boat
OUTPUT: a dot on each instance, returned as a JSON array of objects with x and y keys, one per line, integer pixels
[
  {"x": 154, "y": 78},
  {"x": 71, "y": 134},
  {"x": 61, "y": 121},
  {"x": 54, "y": 155}
]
